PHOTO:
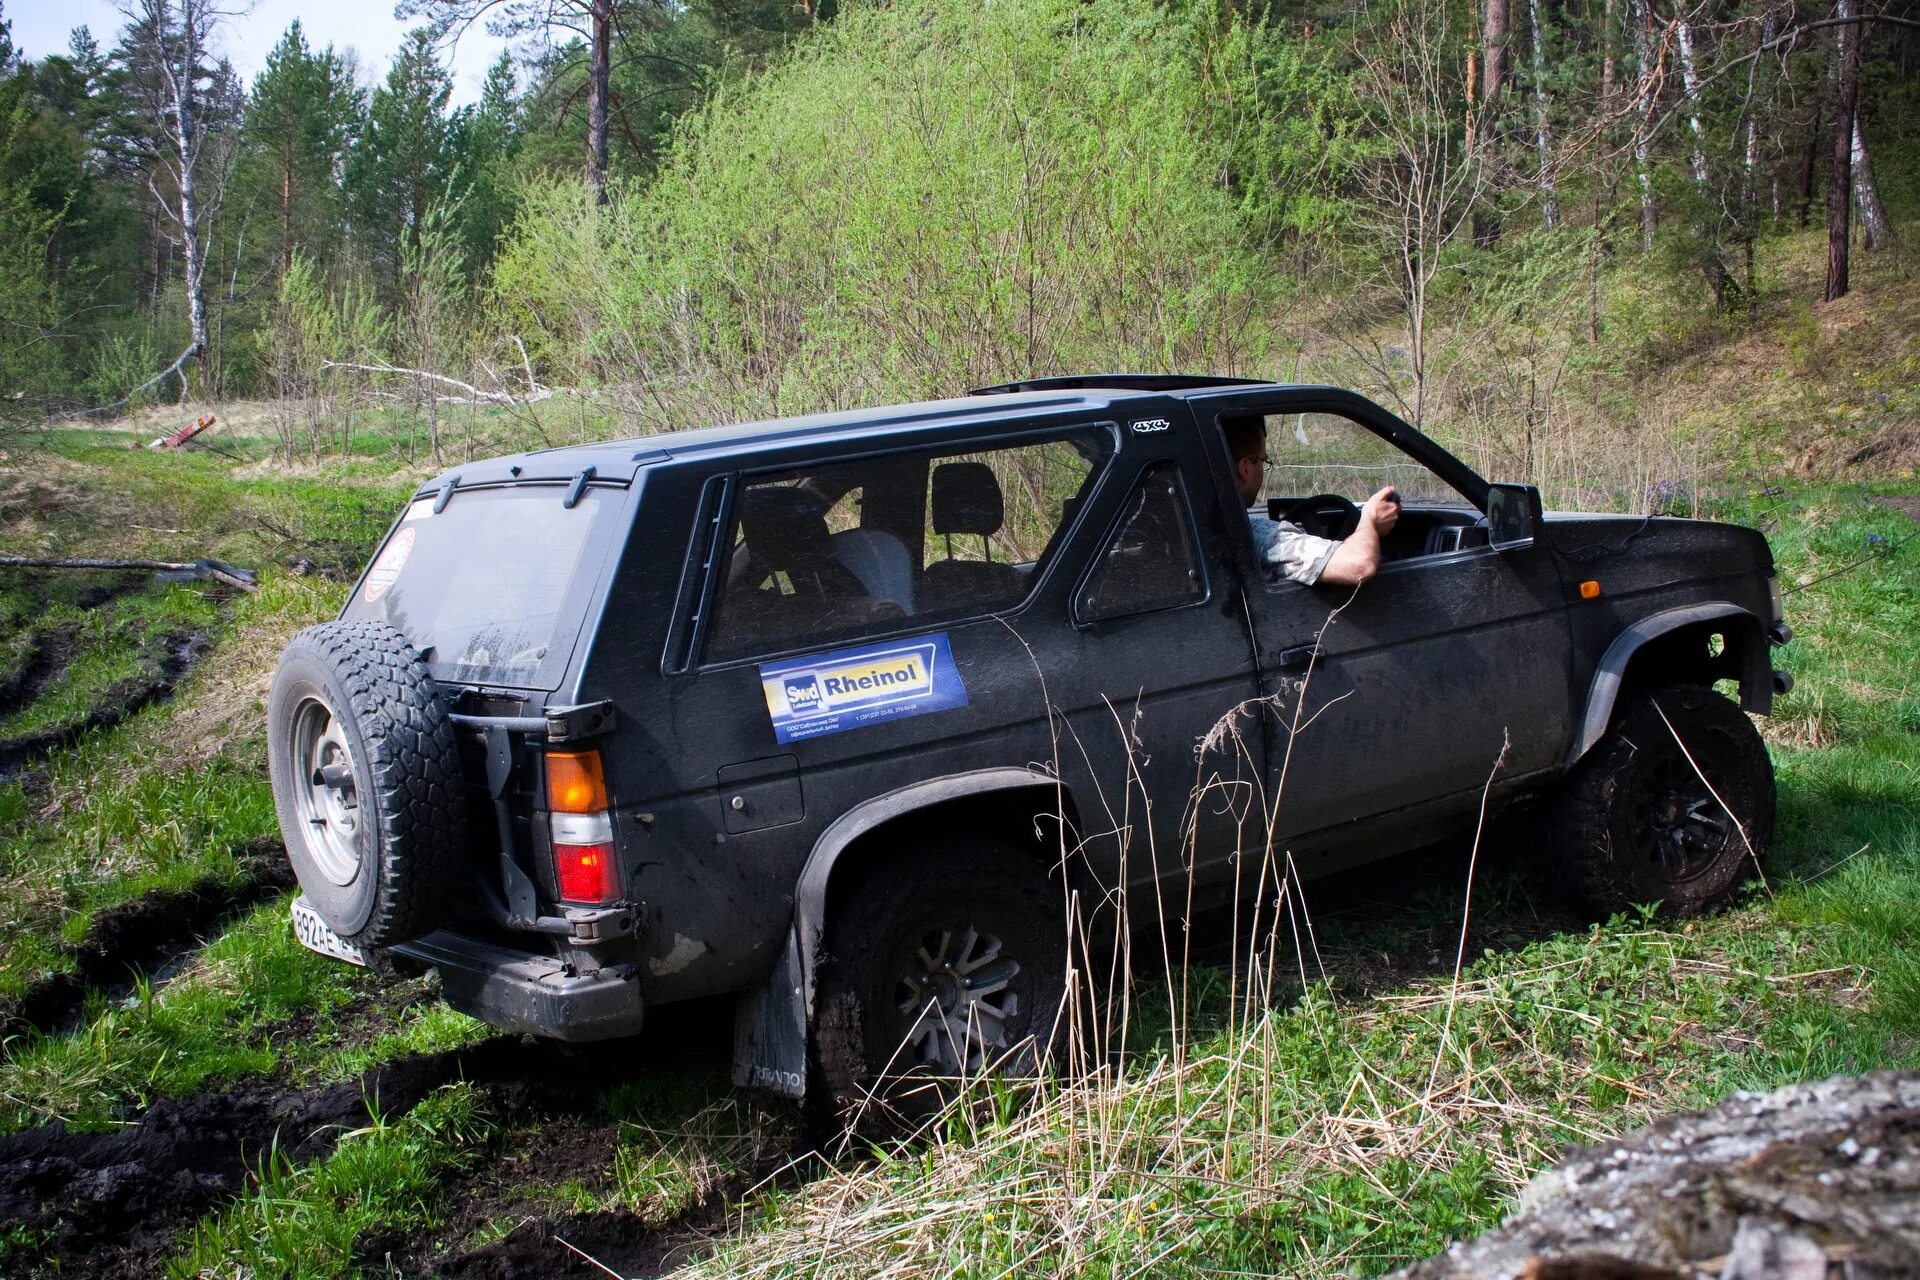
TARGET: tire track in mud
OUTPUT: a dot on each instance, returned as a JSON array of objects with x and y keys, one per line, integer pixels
[
  {"x": 542, "y": 1143},
  {"x": 147, "y": 934},
  {"x": 168, "y": 663},
  {"x": 116, "y": 1204}
]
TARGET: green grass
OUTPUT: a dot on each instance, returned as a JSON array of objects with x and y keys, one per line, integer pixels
[
  {"x": 1307, "y": 1134},
  {"x": 298, "y": 1221},
  {"x": 1325, "y": 1135}
]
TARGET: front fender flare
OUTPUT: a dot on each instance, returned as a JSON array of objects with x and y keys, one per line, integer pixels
[
  {"x": 1756, "y": 685},
  {"x": 770, "y": 1025}
]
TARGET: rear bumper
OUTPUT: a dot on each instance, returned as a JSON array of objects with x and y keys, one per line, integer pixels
[{"x": 521, "y": 992}]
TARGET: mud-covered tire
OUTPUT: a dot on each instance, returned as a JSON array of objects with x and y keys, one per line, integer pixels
[
  {"x": 1635, "y": 824},
  {"x": 868, "y": 1065},
  {"x": 375, "y": 859}
]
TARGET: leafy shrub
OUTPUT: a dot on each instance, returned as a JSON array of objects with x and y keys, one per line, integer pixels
[{"x": 924, "y": 197}]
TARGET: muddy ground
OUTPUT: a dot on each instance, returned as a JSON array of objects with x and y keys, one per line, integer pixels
[
  {"x": 117, "y": 1204},
  {"x": 147, "y": 935},
  {"x": 167, "y": 662}
]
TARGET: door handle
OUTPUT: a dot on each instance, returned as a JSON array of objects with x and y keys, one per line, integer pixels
[{"x": 1298, "y": 656}]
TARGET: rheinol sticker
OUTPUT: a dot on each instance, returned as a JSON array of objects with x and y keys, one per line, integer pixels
[
  {"x": 387, "y": 568},
  {"x": 849, "y": 688}
]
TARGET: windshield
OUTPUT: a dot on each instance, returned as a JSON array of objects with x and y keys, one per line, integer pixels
[{"x": 480, "y": 587}]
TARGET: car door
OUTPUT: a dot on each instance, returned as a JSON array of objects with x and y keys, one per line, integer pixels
[
  {"x": 1400, "y": 696},
  {"x": 1155, "y": 673}
]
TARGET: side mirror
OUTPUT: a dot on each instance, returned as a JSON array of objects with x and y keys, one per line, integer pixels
[{"x": 1513, "y": 513}]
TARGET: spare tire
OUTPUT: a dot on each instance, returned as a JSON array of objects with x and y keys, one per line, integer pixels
[{"x": 367, "y": 781}]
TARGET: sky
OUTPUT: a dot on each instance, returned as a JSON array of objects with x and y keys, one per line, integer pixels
[{"x": 40, "y": 27}]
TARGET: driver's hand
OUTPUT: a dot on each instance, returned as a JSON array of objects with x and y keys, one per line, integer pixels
[{"x": 1383, "y": 510}]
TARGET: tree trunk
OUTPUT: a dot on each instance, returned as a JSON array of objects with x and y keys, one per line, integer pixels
[
  {"x": 1494, "y": 68},
  {"x": 1873, "y": 214},
  {"x": 1543, "y": 138},
  {"x": 599, "y": 72},
  {"x": 1643, "y": 73},
  {"x": 1840, "y": 177},
  {"x": 286, "y": 210},
  {"x": 1808, "y": 164},
  {"x": 186, "y": 126},
  {"x": 1690, "y": 85},
  {"x": 1607, "y": 33}
]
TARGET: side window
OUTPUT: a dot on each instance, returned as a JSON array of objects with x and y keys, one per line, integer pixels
[
  {"x": 1314, "y": 453},
  {"x": 1151, "y": 562},
  {"x": 843, "y": 549}
]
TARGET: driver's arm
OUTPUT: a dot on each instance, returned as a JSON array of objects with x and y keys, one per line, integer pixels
[{"x": 1358, "y": 557}]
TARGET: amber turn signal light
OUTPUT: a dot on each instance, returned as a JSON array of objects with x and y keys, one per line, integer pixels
[
  {"x": 575, "y": 783},
  {"x": 1590, "y": 590}
]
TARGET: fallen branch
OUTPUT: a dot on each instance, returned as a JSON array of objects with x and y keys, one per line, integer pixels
[
  {"x": 473, "y": 393},
  {"x": 168, "y": 570},
  {"x": 177, "y": 369}
]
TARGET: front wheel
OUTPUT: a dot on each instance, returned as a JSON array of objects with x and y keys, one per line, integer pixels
[
  {"x": 1674, "y": 805},
  {"x": 944, "y": 969}
]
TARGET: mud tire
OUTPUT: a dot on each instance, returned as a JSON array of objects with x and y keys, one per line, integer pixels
[
  {"x": 392, "y": 877},
  {"x": 1622, "y": 827},
  {"x": 864, "y": 1072}
]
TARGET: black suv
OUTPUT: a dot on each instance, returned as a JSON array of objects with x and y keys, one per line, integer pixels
[{"x": 863, "y": 715}]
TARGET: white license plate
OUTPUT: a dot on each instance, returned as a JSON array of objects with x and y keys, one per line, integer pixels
[{"x": 314, "y": 935}]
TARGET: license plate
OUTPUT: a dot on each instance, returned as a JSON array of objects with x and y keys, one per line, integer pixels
[{"x": 314, "y": 935}]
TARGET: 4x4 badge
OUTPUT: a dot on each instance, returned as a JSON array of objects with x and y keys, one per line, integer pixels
[
  {"x": 847, "y": 688},
  {"x": 1146, "y": 426}
]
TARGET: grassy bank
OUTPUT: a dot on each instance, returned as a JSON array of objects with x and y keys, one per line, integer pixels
[{"x": 1343, "y": 1105}]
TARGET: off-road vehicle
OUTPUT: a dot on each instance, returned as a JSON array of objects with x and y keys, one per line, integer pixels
[{"x": 852, "y": 714}]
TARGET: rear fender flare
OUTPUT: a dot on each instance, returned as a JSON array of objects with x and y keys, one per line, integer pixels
[
  {"x": 1756, "y": 682},
  {"x": 770, "y": 1028}
]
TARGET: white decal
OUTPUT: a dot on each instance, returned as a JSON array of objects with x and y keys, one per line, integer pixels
[{"x": 387, "y": 568}]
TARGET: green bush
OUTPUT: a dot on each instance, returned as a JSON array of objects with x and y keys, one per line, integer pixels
[{"x": 927, "y": 196}]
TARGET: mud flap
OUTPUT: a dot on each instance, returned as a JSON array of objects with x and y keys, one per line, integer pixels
[{"x": 770, "y": 1030}]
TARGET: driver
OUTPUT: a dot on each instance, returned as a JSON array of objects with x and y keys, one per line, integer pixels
[{"x": 1292, "y": 550}]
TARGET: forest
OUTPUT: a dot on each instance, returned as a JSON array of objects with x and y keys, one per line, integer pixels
[{"x": 679, "y": 213}]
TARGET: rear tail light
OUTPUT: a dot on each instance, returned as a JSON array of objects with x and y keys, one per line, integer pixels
[{"x": 582, "y": 826}]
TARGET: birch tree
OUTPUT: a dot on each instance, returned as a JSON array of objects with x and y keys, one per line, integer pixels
[
  {"x": 175, "y": 39},
  {"x": 1846, "y": 51}
]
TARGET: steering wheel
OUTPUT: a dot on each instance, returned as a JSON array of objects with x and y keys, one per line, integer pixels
[{"x": 1327, "y": 515}]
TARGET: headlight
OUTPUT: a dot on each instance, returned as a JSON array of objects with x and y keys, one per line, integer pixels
[{"x": 1776, "y": 599}]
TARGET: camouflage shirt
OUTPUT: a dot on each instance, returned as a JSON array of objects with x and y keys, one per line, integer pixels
[{"x": 1291, "y": 550}]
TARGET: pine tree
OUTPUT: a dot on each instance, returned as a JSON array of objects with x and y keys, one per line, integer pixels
[
  {"x": 301, "y": 117},
  {"x": 399, "y": 169}
]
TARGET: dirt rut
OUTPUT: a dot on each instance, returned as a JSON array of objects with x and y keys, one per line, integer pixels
[
  {"x": 145, "y": 935},
  {"x": 115, "y": 1204},
  {"x": 169, "y": 662}
]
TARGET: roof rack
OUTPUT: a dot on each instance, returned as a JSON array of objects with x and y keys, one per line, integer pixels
[{"x": 1119, "y": 382}]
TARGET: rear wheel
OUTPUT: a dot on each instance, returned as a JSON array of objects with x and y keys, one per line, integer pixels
[
  {"x": 367, "y": 782},
  {"x": 1674, "y": 805},
  {"x": 935, "y": 972}
]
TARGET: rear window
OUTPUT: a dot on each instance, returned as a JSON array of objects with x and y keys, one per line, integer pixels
[{"x": 482, "y": 587}]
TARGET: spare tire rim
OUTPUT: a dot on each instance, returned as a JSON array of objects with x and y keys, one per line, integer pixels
[
  {"x": 956, "y": 998},
  {"x": 1678, "y": 825},
  {"x": 325, "y": 791}
]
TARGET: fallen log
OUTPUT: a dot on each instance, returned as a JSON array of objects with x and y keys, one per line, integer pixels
[
  {"x": 1804, "y": 1183},
  {"x": 474, "y": 395},
  {"x": 164, "y": 570}
]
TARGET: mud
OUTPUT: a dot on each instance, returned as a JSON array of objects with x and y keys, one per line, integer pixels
[
  {"x": 146, "y": 935},
  {"x": 175, "y": 656},
  {"x": 545, "y": 1142},
  {"x": 1905, "y": 505},
  {"x": 115, "y": 1204},
  {"x": 587, "y": 1246},
  {"x": 48, "y": 653}
]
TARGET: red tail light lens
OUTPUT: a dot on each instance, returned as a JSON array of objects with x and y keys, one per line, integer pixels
[
  {"x": 585, "y": 872},
  {"x": 583, "y": 858}
]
